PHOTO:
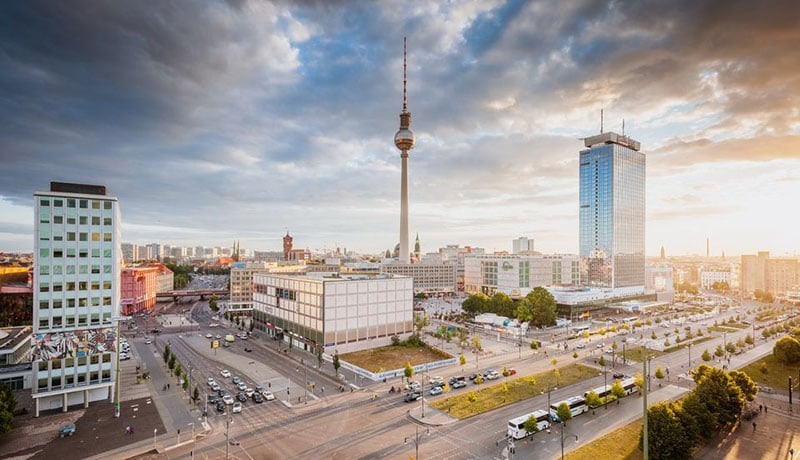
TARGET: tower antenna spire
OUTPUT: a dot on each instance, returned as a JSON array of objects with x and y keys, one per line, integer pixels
[
  {"x": 405, "y": 77},
  {"x": 601, "y": 121},
  {"x": 623, "y": 126}
]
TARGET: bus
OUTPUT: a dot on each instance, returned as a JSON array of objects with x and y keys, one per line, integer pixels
[
  {"x": 632, "y": 319},
  {"x": 577, "y": 406},
  {"x": 516, "y": 426},
  {"x": 602, "y": 392},
  {"x": 629, "y": 386},
  {"x": 579, "y": 330}
]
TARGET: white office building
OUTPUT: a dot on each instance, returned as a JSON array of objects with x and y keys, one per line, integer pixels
[
  {"x": 709, "y": 277},
  {"x": 522, "y": 245},
  {"x": 76, "y": 295},
  {"x": 429, "y": 277},
  {"x": 517, "y": 274},
  {"x": 342, "y": 312}
]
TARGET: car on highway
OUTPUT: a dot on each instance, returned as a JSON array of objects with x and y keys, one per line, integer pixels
[
  {"x": 491, "y": 375},
  {"x": 472, "y": 376},
  {"x": 580, "y": 346},
  {"x": 236, "y": 379},
  {"x": 209, "y": 336},
  {"x": 241, "y": 396},
  {"x": 225, "y": 373},
  {"x": 227, "y": 399},
  {"x": 413, "y": 396},
  {"x": 258, "y": 398},
  {"x": 268, "y": 395},
  {"x": 437, "y": 390},
  {"x": 437, "y": 381},
  {"x": 512, "y": 371},
  {"x": 148, "y": 341},
  {"x": 618, "y": 375},
  {"x": 237, "y": 408},
  {"x": 220, "y": 406}
]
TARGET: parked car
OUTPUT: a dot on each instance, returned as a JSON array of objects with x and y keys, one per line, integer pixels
[
  {"x": 437, "y": 390},
  {"x": 268, "y": 395},
  {"x": 249, "y": 392},
  {"x": 124, "y": 356},
  {"x": 220, "y": 406},
  {"x": 236, "y": 379},
  {"x": 241, "y": 386},
  {"x": 472, "y": 376},
  {"x": 237, "y": 408},
  {"x": 258, "y": 398},
  {"x": 618, "y": 375},
  {"x": 609, "y": 350},
  {"x": 580, "y": 346},
  {"x": 66, "y": 430},
  {"x": 225, "y": 373},
  {"x": 211, "y": 380},
  {"x": 241, "y": 397},
  {"x": 209, "y": 336},
  {"x": 215, "y": 386},
  {"x": 213, "y": 399},
  {"x": 221, "y": 392},
  {"x": 227, "y": 399},
  {"x": 148, "y": 341}
]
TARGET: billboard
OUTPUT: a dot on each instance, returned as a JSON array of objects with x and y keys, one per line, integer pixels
[{"x": 72, "y": 344}]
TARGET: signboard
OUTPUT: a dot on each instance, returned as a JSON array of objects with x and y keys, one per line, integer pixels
[
  {"x": 215, "y": 344},
  {"x": 72, "y": 344}
]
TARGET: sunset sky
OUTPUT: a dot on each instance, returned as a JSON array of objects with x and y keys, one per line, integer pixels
[{"x": 215, "y": 121}]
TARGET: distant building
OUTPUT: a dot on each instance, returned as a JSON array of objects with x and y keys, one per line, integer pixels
[
  {"x": 777, "y": 276},
  {"x": 429, "y": 278},
  {"x": 165, "y": 279},
  {"x": 241, "y": 278},
  {"x": 709, "y": 277},
  {"x": 287, "y": 245},
  {"x": 130, "y": 252},
  {"x": 345, "y": 312},
  {"x": 612, "y": 211},
  {"x": 522, "y": 245},
  {"x": 138, "y": 289},
  {"x": 517, "y": 274},
  {"x": 76, "y": 295}
]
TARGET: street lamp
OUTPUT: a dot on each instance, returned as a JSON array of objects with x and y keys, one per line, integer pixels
[
  {"x": 623, "y": 353},
  {"x": 690, "y": 357},
  {"x": 117, "y": 405},
  {"x": 155, "y": 433},
  {"x": 193, "y": 441},
  {"x": 228, "y": 422},
  {"x": 562, "y": 439},
  {"x": 549, "y": 389},
  {"x": 416, "y": 439}
]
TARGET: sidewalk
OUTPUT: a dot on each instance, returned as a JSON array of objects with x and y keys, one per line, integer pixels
[{"x": 433, "y": 417}]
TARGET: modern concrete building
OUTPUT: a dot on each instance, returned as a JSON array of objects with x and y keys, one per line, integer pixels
[
  {"x": 658, "y": 278},
  {"x": 521, "y": 245},
  {"x": 165, "y": 280},
  {"x": 775, "y": 275},
  {"x": 76, "y": 295},
  {"x": 344, "y": 312},
  {"x": 429, "y": 278},
  {"x": 754, "y": 272},
  {"x": 612, "y": 211},
  {"x": 709, "y": 277},
  {"x": 517, "y": 274}
]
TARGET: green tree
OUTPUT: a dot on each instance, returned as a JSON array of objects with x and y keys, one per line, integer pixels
[
  {"x": 195, "y": 395},
  {"x": 476, "y": 304},
  {"x": 420, "y": 321},
  {"x": 531, "y": 425},
  {"x": 171, "y": 363},
  {"x": 476, "y": 343},
  {"x": 524, "y": 311},
  {"x": 212, "y": 303},
  {"x": 740, "y": 343},
  {"x": 166, "y": 354},
  {"x": 704, "y": 421},
  {"x": 563, "y": 412},
  {"x": 666, "y": 437},
  {"x": 706, "y": 356},
  {"x": 336, "y": 363},
  {"x": 534, "y": 345},
  {"x": 617, "y": 390},
  {"x": 544, "y": 306},
  {"x": 730, "y": 348},
  {"x": 185, "y": 384},
  {"x": 8, "y": 405},
  {"x": 719, "y": 393},
  {"x": 443, "y": 333},
  {"x": 601, "y": 361},
  {"x": 718, "y": 352},
  {"x": 745, "y": 384},
  {"x": 478, "y": 379},
  {"x": 501, "y": 304},
  {"x": 787, "y": 350},
  {"x": 178, "y": 370},
  {"x": 638, "y": 380},
  {"x": 408, "y": 371},
  {"x": 659, "y": 373},
  {"x": 748, "y": 339},
  {"x": 463, "y": 337},
  {"x": 462, "y": 361},
  {"x": 506, "y": 373},
  {"x": 653, "y": 335},
  {"x": 593, "y": 400}
]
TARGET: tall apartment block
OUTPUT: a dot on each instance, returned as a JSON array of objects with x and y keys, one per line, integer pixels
[
  {"x": 612, "y": 211},
  {"x": 76, "y": 295}
]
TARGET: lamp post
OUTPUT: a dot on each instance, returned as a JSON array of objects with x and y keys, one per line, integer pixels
[
  {"x": 155, "y": 433},
  {"x": 549, "y": 389},
  {"x": 562, "y": 439},
  {"x": 645, "y": 450},
  {"x": 690, "y": 357},
  {"x": 117, "y": 405},
  {"x": 193, "y": 441},
  {"x": 416, "y": 439},
  {"x": 422, "y": 389},
  {"x": 228, "y": 422},
  {"x": 623, "y": 353}
]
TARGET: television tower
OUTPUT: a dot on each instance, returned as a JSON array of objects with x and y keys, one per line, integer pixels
[{"x": 404, "y": 140}]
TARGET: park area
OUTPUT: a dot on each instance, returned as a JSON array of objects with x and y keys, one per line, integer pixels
[
  {"x": 771, "y": 373},
  {"x": 488, "y": 397},
  {"x": 393, "y": 357}
]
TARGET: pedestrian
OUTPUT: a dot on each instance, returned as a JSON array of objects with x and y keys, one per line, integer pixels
[
  {"x": 760, "y": 408},
  {"x": 765, "y": 408},
  {"x": 754, "y": 427},
  {"x": 128, "y": 430},
  {"x": 323, "y": 389},
  {"x": 791, "y": 452},
  {"x": 168, "y": 386}
]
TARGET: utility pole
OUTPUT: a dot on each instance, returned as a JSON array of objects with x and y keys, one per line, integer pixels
[{"x": 644, "y": 404}]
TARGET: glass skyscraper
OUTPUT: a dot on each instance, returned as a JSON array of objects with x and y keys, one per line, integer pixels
[{"x": 612, "y": 211}]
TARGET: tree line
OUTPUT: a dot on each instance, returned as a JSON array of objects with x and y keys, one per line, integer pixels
[
  {"x": 538, "y": 308},
  {"x": 717, "y": 401}
]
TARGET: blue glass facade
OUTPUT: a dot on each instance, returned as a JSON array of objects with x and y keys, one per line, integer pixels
[{"x": 612, "y": 213}]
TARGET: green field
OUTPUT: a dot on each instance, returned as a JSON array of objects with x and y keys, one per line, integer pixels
[
  {"x": 622, "y": 444},
  {"x": 392, "y": 357},
  {"x": 777, "y": 375},
  {"x": 488, "y": 397}
]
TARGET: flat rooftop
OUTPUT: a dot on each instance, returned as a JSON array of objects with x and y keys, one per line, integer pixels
[{"x": 11, "y": 337}]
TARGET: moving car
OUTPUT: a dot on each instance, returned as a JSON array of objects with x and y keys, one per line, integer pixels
[
  {"x": 268, "y": 395},
  {"x": 580, "y": 346},
  {"x": 124, "y": 356},
  {"x": 66, "y": 430},
  {"x": 618, "y": 375},
  {"x": 437, "y": 390},
  {"x": 491, "y": 375},
  {"x": 237, "y": 408},
  {"x": 458, "y": 382},
  {"x": 148, "y": 341},
  {"x": 413, "y": 396},
  {"x": 437, "y": 381},
  {"x": 225, "y": 373}
]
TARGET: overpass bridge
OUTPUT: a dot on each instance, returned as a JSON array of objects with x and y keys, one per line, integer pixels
[{"x": 202, "y": 293}]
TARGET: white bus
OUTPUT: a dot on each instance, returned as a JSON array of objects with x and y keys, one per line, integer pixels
[
  {"x": 516, "y": 426},
  {"x": 579, "y": 330},
  {"x": 632, "y": 319},
  {"x": 629, "y": 386},
  {"x": 577, "y": 406}
]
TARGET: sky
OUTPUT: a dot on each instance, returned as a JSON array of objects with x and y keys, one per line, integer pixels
[{"x": 214, "y": 121}]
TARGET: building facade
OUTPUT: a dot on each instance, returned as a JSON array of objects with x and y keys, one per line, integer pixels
[
  {"x": 775, "y": 275},
  {"x": 612, "y": 211},
  {"x": 429, "y": 278},
  {"x": 76, "y": 295},
  {"x": 709, "y": 277},
  {"x": 521, "y": 245},
  {"x": 138, "y": 289},
  {"x": 516, "y": 274},
  {"x": 345, "y": 312},
  {"x": 754, "y": 272},
  {"x": 782, "y": 276}
]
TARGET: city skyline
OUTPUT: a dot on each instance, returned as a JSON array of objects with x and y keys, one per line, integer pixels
[{"x": 220, "y": 122}]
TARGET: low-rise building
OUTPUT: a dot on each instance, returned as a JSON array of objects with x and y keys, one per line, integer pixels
[
  {"x": 138, "y": 289},
  {"x": 518, "y": 274},
  {"x": 345, "y": 312},
  {"x": 709, "y": 277},
  {"x": 429, "y": 278}
]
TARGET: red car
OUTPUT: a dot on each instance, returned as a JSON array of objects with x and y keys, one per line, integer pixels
[{"x": 512, "y": 371}]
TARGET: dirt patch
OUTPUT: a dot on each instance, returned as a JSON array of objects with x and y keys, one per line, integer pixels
[{"x": 392, "y": 357}]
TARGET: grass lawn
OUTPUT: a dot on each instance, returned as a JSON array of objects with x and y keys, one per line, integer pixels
[
  {"x": 777, "y": 374},
  {"x": 392, "y": 357},
  {"x": 622, "y": 444},
  {"x": 685, "y": 344},
  {"x": 488, "y": 397},
  {"x": 635, "y": 353},
  {"x": 726, "y": 328}
]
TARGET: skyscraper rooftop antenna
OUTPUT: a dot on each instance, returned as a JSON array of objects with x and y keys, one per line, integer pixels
[
  {"x": 405, "y": 77},
  {"x": 623, "y": 126},
  {"x": 601, "y": 121}
]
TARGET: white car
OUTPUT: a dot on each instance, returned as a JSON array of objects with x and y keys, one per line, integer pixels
[
  {"x": 214, "y": 386},
  {"x": 437, "y": 380},
  {"x": 124, "y": 357},
  {"x": 148, "y": 341},
  {"x": 436, "y": 391},
  {"x": 209, "y": 336},
  {"x": 211, "y": 380},
  {"x": 241, "y": 386},
  {"x": 227, "y": 399},
  {"x": 225, "y": 373},
  {"x": 249, "y": 392},
  {"x": 268, "y": 395},
  {"x": 237, "y": 407}
]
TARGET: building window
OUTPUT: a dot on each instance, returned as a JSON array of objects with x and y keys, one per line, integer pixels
[
  {"x": 95, "y": 204},
  {"x": 71, "y": 253},
  {"x": 82, "y": 302},
  {"x": 107, "y": 221},
  {"x": 44, "y": 202},
  {"x": 95, "y": 220},
  {"x": 44, "y": 234},
  {"x": 44, "y": 305},
  {"x": 83, "y": 270},
  {"x": 57, "y": 287},
  {"x": 107, "y": 253},
  {"x": 70, "y": 269},
  {"x": 44, "y": 324},
  {"x": 83, "y": 253},
  {"x": 57, "y": 269},
  {"x": 44, "y": 287},
  {"x": 95, "y": 269},
  {"x": 95, "y": 236},
  {"x": 70, "y": 203},
  {"x": 83, "y": 220},
  {"x": 44, "y": 269},
  {"x": 106, "y": 268},
  {"x": 106, "y": 300},
  {"x": 106, "y": 284},
  {"x": 84, "y": 204},
  {"x": 107, "y": 205},
  {"x": 58, "y": 219},
  {"x": 95, "y": 285},
  {"x": 70, "y": 236},
  {"x": 70, "y": 221},
  {"x": 57, "y": 303},
  {"x": 107, "y": 236},
  {"x": 70, "y": 303},
  {"x": 44, "y": 252}
]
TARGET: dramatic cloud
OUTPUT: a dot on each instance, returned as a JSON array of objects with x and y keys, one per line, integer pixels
[{"x": 220, "y": 120}]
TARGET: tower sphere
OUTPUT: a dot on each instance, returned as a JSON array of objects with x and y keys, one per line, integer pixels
[{"x": 404, "y": 139}]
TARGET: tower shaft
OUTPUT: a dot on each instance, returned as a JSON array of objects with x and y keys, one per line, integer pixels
[{"x": 404, "y": 252}]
